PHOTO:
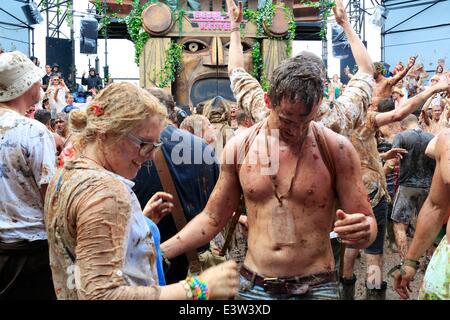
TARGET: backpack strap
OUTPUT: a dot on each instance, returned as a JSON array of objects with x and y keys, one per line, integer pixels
[
  {"x": 319, "y": 135},
  {"x": 177, "y": 211}
]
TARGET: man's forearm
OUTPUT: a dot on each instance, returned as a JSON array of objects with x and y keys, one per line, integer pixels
[
  {"x": 416, "y": 102},
  {"x": 359, "y": 51},
  {"x": 429, "y": 223},
  {"x": 400, "y": 75},
  {"x": 236, "y": 55},
  {"x": 198, "y": 232}
]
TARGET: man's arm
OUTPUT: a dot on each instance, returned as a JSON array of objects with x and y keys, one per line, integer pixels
[
  {"x": 222, "y": 203},
  {"x": 409, "y": 106},
  {"x": 356, "y": 225},
  {"x": 236, "y": 55},
  {"x": 400, "y": 75},
  {"x": 431, "y": 216},
  {"x": 362, "y": 57}
]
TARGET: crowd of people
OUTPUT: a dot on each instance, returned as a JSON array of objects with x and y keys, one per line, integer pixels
[{"x": 272, "y": 196}]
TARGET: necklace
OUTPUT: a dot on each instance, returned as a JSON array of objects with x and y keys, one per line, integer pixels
[{"x": 274, "y": 176}]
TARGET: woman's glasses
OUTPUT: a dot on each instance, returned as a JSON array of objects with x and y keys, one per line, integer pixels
[{"x": 145, "y": 147}]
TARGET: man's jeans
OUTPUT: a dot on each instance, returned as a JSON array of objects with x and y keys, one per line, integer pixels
[{"x": 324, "y": 291}]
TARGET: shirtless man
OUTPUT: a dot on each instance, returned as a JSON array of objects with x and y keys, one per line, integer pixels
[
  {"x": 291, "y": 210},
  {"x": 384, "y": 86},
  {"x": 431, "y": 217}
]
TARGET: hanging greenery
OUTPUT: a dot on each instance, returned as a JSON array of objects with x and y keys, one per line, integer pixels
[
  {"x": 134, "y": 26},
  {"x": 172, "y": 64},
  {"x": 326, "y": 8},
  {"x": 69, "y": 17},
  {"x": 265, "y": 15}
]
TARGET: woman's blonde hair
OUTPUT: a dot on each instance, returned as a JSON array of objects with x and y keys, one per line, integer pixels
[{"x": 116, "y": 110}]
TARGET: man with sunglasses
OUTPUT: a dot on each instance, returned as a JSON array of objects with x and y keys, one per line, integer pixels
[{"x": 56, "y": 93}]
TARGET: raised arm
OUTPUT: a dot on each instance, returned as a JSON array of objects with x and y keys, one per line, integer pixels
[
  {"x": 236, "y": 55},
  {"x": 359, "y": 51},
  {"x": 400, "y": 75},
  {"x": 222, "y": 203},
  {"x": 410, "y": 105}
]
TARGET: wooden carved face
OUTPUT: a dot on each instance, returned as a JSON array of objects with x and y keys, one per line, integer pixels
[{"x": 205, "y": 69}]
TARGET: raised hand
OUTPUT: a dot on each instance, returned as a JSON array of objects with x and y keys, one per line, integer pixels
[
  {"x": 235, "y": 12},
  {"x": 339, "y": 13},
  {"x": 411, "y": 61}
]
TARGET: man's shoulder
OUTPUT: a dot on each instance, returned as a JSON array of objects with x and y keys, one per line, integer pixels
[
  {"x": 20, "y": 122},
  {"x": 333, "y": 139}
]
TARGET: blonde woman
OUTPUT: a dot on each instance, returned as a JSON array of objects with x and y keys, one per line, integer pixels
[{"x": 100, "y": 244}]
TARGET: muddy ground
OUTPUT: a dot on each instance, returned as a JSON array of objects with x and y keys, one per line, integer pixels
[{"x": 390, "y": 260}]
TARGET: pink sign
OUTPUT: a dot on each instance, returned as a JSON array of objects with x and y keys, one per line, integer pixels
[{"x": 211, "y": 20}]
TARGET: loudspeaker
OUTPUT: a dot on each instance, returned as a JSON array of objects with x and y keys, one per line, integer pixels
[
  {"x": 32, "y": 13},
  {"x": 340, "y": 43},
  {"x": 89, "y": 34},
  {"x": 60, "y": 51}
]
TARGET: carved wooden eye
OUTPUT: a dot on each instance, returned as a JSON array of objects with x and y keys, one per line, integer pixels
[{"x": 194, "y": 46}]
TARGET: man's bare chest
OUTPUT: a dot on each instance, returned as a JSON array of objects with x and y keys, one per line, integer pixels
[{"x": 310, "y": 179}]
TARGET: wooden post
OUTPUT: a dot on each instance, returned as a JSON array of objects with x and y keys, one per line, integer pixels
[
  {"x": 152, "y": 62},
  {"x": 274, "y": 51}
]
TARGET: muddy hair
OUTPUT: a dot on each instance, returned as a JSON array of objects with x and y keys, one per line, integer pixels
[
  {"x": 298, "y": 79},
  {"x": 217, "y": 110},
  {"x": 123, "y": 106},
  {"x": 165, "y": 98}
]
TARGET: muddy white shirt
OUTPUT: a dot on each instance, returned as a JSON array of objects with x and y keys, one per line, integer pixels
[
  {"x": 99, "y": 241},
  {"x": 27, "y": 161}
]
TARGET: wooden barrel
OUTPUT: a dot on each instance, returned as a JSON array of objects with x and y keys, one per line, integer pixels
[
  {"x": 280, "y": 23},
  {"x": 157, "y": 19}
]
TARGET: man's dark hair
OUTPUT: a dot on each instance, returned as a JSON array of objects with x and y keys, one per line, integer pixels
[
  {"x": 241, "y": 116},
  {"x": 43, "y": 116},
  {"x": 298, "y": 79},
  {"x": 386, "y": 105},
  {"x": 164, "y": 98}
]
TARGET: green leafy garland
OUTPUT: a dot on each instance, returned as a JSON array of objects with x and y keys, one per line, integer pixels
[
  {"x": 172, "y": 65},
  {"x": 326, "y": 6},
  {"x": 134, "y": 26}
]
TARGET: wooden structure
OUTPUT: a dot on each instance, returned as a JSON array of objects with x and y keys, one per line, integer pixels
[{"x": 205, "y": 36}]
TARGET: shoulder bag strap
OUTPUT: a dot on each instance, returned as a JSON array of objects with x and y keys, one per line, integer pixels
[{"x": 177, "y": 211}]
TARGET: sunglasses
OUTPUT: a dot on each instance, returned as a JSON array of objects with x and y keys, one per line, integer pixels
[{"x": 145, "y": 147}]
